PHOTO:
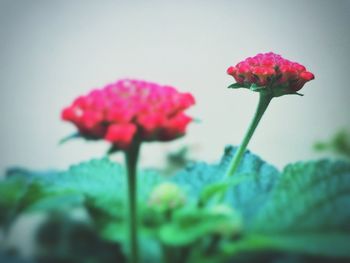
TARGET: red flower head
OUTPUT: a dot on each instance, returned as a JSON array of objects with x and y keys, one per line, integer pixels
[
  {"x": 270, "y": 71},
  {"x": 127, "y": 109}
]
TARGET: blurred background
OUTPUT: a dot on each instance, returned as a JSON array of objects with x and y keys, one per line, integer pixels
[{"x": 53, "y": 51}]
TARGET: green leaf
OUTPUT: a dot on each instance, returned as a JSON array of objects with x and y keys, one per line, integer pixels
[
  {"x": 213, "y": 190},
  {"x": 12, "y": 191},
  {"x": 338, "y": 144},
  {"x": 236, "y": 86},
  {"x": 255, "y": 87},
  {"x": 21, "y": 192},
  {"x": 100, "y": 185},
  {"x": 113, "y": 149},
  {"x": 256, "y": 180},
  {"x": 307, "y": 211},
  {"x": 333, "y": 245},
  {"x": 309, "y": 196},
  {"x": 301, "y": 210},
  {"x": 217, "y": 191},
  {"x": 70, "y": 137},
  {"x": 62, "y": 238},
  {"x": 188, "y": 226}
]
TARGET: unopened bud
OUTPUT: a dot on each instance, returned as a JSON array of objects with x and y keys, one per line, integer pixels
[{"x": 167, "y": 196}]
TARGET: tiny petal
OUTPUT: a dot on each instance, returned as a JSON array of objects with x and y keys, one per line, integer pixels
[
  {"x": 307, "y": 75},
  {"x": 121, "y": 134},
  {"x": 175, "y": 127},
  {"x": 231, "y": 70},
  {"x": 69, "y": 114}
]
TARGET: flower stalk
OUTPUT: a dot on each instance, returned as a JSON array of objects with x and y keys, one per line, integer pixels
[
  {"x": 265, "y": 98},
  {"x": 271, "y": 76},
  {"x": 131, "y": 158},
  {"x": 126, "y": 113}
]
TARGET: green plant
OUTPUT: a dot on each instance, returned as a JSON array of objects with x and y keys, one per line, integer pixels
[{"x": 240, "y": 209}]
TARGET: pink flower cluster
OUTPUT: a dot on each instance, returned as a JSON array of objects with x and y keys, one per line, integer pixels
[
  {"x": 121, "y": 111},
  {"x": 270, "y": 69}
]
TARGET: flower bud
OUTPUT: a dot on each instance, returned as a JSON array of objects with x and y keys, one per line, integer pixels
[
  {"x": 166, "y": 197},
  {"x": 271, "y": 71}
]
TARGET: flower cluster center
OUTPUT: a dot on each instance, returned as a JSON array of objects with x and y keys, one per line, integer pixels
[{"x": 121, "y": 110}]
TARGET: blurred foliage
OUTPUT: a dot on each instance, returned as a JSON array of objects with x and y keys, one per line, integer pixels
[
  {"x": 339, "y": 144},
  {"x": 261, "y": 215},
  {"x": 177, "y": 160},
  {"x": 62, "y": 239}
]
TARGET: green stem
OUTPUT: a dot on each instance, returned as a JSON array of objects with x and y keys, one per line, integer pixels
[
  {"x": 131, "y": 157},
  {"x": 214, "y": 242},
  {"x": 167, "y": 255},
  {"x": 264, "y": 100}
]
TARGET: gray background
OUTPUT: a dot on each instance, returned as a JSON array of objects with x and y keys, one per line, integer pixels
[{"x": 52, "y": 51}]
